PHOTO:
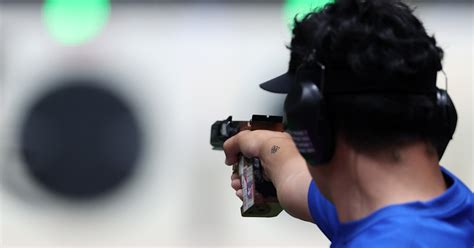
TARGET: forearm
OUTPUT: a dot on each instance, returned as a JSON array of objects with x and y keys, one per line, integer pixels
[
  {"x": 290, "y": 176},
  {"x": 292, "y": 189}
]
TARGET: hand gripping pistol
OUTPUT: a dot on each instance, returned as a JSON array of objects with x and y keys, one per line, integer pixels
[{"x": 250, "y": 170}]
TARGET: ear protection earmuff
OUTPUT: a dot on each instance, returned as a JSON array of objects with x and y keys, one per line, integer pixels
[
  {"x": 306, "y": 117},
  {"x": 446, "y": 120},
  {"x": 308, "y": 123}
]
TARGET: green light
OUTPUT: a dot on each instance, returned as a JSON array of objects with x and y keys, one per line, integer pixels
[
  {"x": 300, "y": 8},
  {"x": 73, "y": 22}
]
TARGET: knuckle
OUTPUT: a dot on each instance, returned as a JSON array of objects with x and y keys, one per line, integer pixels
[{"x": 227, "y": 143}]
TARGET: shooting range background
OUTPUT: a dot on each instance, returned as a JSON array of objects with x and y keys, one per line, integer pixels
[{"x": 180, "y": 67}]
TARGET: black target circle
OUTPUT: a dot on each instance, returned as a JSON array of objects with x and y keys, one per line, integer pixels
[{"x": 80, "y": 140}]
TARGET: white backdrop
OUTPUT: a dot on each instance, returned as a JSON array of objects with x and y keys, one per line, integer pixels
[{"x": 182, "y": 67}]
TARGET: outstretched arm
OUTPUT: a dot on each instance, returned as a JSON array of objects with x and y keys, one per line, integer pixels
[{"x": 283, "y": 165}]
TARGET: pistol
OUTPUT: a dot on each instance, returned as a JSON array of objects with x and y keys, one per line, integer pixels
[{"x": 250, "y": 170}]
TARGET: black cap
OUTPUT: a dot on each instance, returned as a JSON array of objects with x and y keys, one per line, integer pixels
[
  {"x": 280, "y": 84},
  {"x": 344, "y": 81}
]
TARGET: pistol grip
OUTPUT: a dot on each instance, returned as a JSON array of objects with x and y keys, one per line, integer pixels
[{"x": 251, "y": 175}]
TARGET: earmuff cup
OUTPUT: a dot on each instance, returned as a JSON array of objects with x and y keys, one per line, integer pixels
[
  {"x": 446, "y": 120},
  {"x": 307, "y": 122}
]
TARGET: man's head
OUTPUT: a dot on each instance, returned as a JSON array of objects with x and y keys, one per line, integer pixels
[{"x": 381, "y": 52}]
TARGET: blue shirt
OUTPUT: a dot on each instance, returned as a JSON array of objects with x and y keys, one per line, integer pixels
[{"x": 445, "y": 221}]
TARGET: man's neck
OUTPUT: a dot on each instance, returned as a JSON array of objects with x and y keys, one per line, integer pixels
[{"x": 358, "y": 185}]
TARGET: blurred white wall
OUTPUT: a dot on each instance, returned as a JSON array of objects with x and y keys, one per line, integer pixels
[
  {"x": 182, "y": 67},
  {"x": 452, "y": 25}
]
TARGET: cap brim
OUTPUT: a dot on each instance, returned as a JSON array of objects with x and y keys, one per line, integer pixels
[{"x": 281, "y": 84}]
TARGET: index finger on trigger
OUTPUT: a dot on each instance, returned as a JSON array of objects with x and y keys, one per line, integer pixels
[{"x": 232, "y": 149}]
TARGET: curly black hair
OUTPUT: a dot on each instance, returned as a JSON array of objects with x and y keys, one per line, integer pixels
[{"x": 374, "y": 40}]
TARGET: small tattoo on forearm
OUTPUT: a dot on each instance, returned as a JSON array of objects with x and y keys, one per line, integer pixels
[{"x": 275, "y": 149}]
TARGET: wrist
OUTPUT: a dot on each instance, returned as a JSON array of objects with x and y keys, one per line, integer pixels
[{"x": 278, "y": 154}]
